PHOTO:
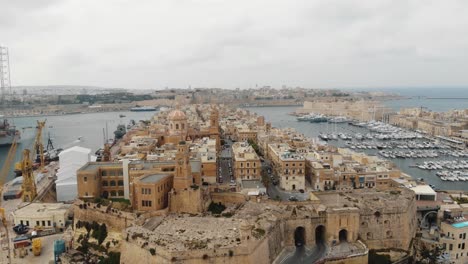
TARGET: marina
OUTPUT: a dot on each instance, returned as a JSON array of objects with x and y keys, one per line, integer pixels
[{"x": 407, "y": 149}]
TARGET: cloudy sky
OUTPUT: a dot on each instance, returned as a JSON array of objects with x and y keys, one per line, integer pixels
[{"x": 241, "y": 43}]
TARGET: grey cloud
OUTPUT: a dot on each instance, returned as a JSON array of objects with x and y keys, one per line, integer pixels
[{"x": 311, "y": 43}]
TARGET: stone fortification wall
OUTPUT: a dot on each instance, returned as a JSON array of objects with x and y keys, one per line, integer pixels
[
  {"x": 389, "y": 228},
  {"x": 134, "y": 253},
  {"x": 115, "y": 220},
  {"x": 228, "y": 198},
  {"x": 186, "y": 201}
]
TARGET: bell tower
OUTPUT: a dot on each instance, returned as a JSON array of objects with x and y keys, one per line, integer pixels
[
  {"x": 214, "y": 127},
  {"x": 183, "y": 178}
]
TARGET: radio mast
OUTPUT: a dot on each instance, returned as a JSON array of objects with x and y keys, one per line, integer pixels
[{"x": 5, "y": 83}]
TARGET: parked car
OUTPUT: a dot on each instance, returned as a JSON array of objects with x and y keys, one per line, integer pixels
[
  {"x": 301, "y": 190},
  {"x": 21, "y": 229},
  {"x": 293, "y": 198}
]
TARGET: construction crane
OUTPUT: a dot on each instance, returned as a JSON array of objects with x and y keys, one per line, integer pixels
[
  {"x": 4, "y": 174},
  {"x": 38, "y": 149},
  {"x": 29, "y": 182}
]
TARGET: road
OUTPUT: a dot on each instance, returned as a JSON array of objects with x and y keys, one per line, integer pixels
[
  {"x": 304, "y": 255},
  {"x": 225, "y": 164}
]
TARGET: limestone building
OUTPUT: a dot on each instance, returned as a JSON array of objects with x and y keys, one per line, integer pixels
[
  {"x": 42, "y": 215},
  {"x": 246, "y": 162},
  {"x": 151, "y": 192},
  {"x": 288, "y": 165}
]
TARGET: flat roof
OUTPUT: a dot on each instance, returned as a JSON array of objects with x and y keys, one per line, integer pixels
[
  {"x": 424, "y": 190},
  {"x": 40, "y": 209},
  {"x": 92, "y": 166},
  {"x": 153, "y": 178}
]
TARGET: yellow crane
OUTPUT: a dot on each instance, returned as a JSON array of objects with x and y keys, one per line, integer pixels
[
  {"x": 4, "y": 174},
  {"x": 38, "y": 145},
  {"x": 29, "y": 182}
]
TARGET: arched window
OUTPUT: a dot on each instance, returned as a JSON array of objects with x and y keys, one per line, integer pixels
[
  {"x": 105, "y": 183},
  {"x": 105, "y": 194},
  {"x": 120, "y": 183},
  {"x": 121, "y": 193},
  {"x": 389, "y": 234},
  {"x": 112, "y": 183},
  {"x": 177, "y": 126},
  {"x": 112, "y": 194}
]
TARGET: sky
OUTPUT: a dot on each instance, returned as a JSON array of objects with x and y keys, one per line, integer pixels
[{"x": 153, "y": 44}]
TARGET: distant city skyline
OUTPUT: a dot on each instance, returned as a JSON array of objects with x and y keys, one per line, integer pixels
[{"x": 177, "y": 44}]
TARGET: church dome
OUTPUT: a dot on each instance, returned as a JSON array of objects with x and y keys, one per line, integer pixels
[{"x": 176, "y": 115}]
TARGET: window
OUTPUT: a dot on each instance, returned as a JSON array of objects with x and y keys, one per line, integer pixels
[
  {"x": 120, "y": 183},
  {"x": 450, "y": 247},
  {"x": 112, "y": 183},
  {"x": 248, "y": 165},
  {"x": 105, "y": 183},
  {"x": 121, "y": 193},
  {"x": 48, "y": 223},
  {"x": 146, "y": 203},
  {"x": 294, "y": 164},
  {"x": 27, "y": 223},
  {"x": 112, "y": 194},
  {"x": 37, "y": 223},
  {"x": 177, "y": 126},
  {"x": 85, "y": 179},
  {"x": 43, "y": 223}
]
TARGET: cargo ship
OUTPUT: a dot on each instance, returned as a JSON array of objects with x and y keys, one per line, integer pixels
[
  {"x": 8, "y": 133},
  {"x": 143, "y": 109}
]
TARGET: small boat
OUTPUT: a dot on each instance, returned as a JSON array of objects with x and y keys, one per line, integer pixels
[{"x": 122, "y": 115}]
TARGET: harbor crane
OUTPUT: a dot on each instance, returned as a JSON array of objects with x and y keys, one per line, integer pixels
[
  {"x": 4, "y": 174},
  {"x": 29, "y": 182},
  {"x": 38, "y": 145}
]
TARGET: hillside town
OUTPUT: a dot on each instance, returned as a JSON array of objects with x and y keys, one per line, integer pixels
[{"x": 215, "y": 183}]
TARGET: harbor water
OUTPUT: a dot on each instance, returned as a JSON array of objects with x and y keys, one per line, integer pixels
[
  {"x": 85, "y": 130},
  {"x": 280, "y": 118}
]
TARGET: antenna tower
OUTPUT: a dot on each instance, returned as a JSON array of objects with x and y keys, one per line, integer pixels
[{"x": 5, "y": 83}]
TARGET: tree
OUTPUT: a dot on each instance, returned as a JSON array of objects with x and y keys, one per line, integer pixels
[
  {"x": 102, "y": 233},
  {"x": 430, "y": 255}
]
